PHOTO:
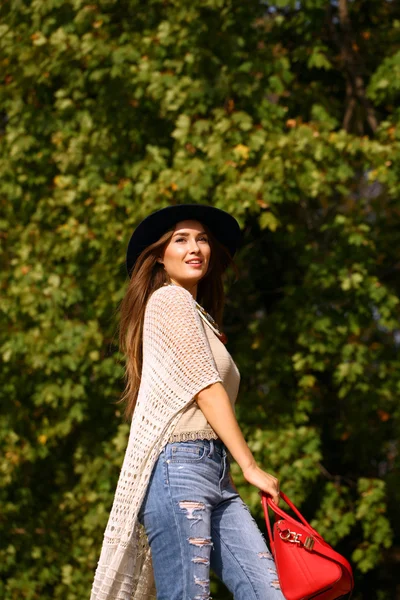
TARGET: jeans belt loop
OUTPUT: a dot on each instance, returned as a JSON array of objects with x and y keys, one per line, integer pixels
[{"x": 211, "y": 453}]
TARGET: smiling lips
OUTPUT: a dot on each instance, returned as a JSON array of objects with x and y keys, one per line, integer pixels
[{"x": 195, "y": 263}]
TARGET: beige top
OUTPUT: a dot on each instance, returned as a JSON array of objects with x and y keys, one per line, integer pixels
[{"x": 193, "y": 425}]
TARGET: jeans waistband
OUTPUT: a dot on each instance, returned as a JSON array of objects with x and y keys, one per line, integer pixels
[{"x": 211, "y": 445}]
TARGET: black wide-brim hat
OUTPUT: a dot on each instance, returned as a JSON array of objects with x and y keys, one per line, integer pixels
[{"x": 221, "y": 224}]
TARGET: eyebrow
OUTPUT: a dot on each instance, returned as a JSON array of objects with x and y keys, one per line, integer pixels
[{"x": 186, "y": 234}]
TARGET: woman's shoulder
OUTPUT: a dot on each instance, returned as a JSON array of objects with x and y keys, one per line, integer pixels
[
  {"x": 170, "y": 308},
  {"x": 168, "y": 296}
]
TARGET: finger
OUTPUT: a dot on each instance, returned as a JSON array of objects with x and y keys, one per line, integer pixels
[{"x": 275, "y": 495}]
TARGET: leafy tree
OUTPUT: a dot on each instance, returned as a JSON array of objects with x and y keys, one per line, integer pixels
[{"x": 284, "y": 115}]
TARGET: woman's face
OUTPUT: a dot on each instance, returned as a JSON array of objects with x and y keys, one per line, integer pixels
[{"x": 187, "y": 256}]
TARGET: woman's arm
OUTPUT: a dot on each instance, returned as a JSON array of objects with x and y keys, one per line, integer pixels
[{"x": 214, "y": 403}]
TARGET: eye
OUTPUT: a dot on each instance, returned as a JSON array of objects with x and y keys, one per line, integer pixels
[{"x": 203, "y": 237}]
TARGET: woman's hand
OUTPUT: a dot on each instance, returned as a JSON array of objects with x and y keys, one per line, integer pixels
[{"x": 264, "y": 481}]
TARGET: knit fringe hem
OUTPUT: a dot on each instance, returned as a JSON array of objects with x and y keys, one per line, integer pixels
[{"x": 184, "y": 436}]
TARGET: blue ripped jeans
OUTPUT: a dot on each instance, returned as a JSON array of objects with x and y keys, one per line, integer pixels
[{"x": 194, "y": 519}]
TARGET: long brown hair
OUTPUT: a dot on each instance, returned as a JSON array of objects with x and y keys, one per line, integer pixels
[{"x": 147, "y": 276}]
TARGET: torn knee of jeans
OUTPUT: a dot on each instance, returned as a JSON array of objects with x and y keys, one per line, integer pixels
[
  {"x": 200, "y": 541},
  {"x": 275, "y": 584},
  {"x": 200, "y": 560},
  {"x": 203, "y": 597},
  {"x": 190, "y": 506}
]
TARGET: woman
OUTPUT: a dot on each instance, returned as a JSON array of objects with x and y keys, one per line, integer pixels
[{"x": 176, "y": 513}]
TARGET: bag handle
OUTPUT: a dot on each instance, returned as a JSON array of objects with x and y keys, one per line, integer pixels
[{"x": 264, "y": 501}]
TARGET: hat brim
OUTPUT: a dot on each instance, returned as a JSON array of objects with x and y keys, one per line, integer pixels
[{"x": 221, "y": 224}]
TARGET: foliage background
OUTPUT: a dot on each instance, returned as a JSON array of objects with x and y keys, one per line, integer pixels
[{"x": 284, "y": 114}]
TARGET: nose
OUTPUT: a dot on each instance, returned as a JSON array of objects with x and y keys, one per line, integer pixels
[{"x": 194, "y": 247}]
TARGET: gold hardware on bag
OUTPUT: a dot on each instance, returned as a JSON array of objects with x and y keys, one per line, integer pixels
[
  {"x": 290, "y": 536},
  {"x": 309, "y": 543},
  {"x": 294, "y": 538}
]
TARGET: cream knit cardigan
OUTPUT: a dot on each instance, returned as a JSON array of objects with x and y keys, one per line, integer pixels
[{"x": 177, "y": 364}]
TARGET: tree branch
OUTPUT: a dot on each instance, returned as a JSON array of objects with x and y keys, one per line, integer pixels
[{"x": 352, "y": 64}]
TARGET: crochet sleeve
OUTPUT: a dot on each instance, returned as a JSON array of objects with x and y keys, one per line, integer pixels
[{"x": 176, "y": 345}]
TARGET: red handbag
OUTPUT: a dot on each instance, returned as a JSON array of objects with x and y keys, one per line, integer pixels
[{"x": 307, "y": 566}]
